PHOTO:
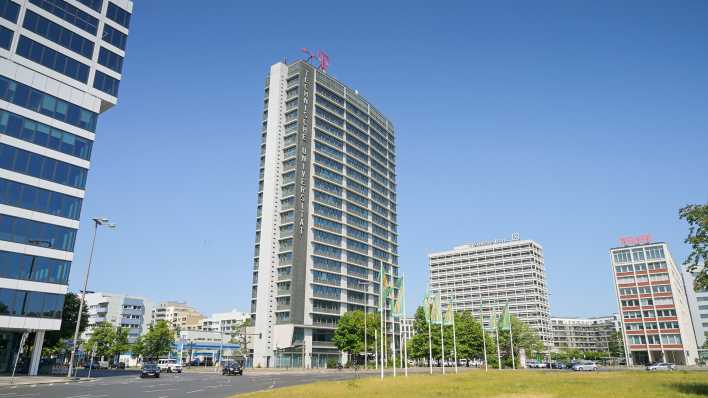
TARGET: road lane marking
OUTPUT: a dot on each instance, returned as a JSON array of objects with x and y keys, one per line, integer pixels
[
  {"x": 192, "y": 392},
  {"x": 163, "y": 389}
]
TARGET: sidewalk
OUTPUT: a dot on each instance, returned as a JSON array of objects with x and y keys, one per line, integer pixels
[{"x": 5, "y": 381}]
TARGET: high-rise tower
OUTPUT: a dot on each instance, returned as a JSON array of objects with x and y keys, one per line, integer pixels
[
  {"x": 326, "y": 220},
  {"x": 60, "y": 67}
]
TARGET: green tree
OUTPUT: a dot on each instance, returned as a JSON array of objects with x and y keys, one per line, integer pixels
[
  {"x": 615, "y": 344},
  {"x": 697, "y": 260},
  {"x": 470, "y": 345},
  {"x": 349, "y": 335},
  {"x": 54, "y": 340},
  {"x": 156, "y": 342},
  {"x": 468, "y": 332},
  {"x": 102, "y": 340},
  {"x": 120, "y": 343},
  {"x": 524, "y": 337}
]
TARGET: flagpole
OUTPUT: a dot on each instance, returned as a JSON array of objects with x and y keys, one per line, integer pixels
[
  {"x": 376, "y": 349},
  {"x": 484, "y": 342},
  {"x": 454, "y": 337},
  {"x": 511, "y": 340},
  {"x": 405, "y": 337},
  {"x": 382, "y": 289},
  {"x": 393, "y": 339},
  {"x": 496, "y": 332},
  {"x": 442, "y": 333},
  {"x": 430, "y": 346}
]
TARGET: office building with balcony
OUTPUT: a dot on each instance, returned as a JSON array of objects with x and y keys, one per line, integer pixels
[
  {"x": 119, "y": 310},
  {"x": 653, "y": 305},
  {"x": 60, "y": 67},
  {"x": 486, "y": 276},
  {"x": 228, "y": 323},
  {"x": 583, "y": 334},
  {"x": 326, "y": 223}
]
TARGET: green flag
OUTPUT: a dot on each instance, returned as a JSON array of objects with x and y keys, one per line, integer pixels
[
  {"x": 436, "y": 310},
  {"x": 493, "y": 321},
  {"x": 427, "y": 307},
  {"x": 398, "y": 303},
  {"x": 449, "y": 318},
  {"x": 505, "y": 322}
]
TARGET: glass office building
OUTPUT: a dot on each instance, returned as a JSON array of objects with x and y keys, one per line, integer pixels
[
  {"x": 326, "y": 220},
  {"x": 60, "y": 67},
  {"x": 654, "y": 309}
]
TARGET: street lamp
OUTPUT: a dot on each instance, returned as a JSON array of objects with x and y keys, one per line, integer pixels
[
  {"x": 97, "y": 222},
  {"x": 366, "y": 313}
]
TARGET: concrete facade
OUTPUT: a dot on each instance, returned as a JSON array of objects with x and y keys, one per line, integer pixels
[
  {"x": 486, "y": 276},
  {"x": 584, "y": 334},
  {"x": 178, "y": 315},
  {"x": 655, "y": 316},
  {"x": 120, "y": 310},
  {"x": 326, "y": 223},
  {"x": 698, "y": 304}
]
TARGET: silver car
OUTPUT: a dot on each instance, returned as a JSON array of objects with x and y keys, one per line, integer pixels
[
  {"x": 585, "y": 366},
  {"x": 657, "y": 366}
]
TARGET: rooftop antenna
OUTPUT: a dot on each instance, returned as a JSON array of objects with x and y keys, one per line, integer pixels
[{"x": 310, "y": 55}]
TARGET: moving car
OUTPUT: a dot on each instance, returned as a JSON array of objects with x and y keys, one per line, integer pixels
[
  {"x": 150, "y": 370},
  {"x": 657, "y": 366},
  {"x": 169, "y": 365},
  {"x": 585, "y": 366},
  {"x": 232, "y": 368}
]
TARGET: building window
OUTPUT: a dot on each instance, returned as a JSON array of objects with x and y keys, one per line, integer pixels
[
  {"x": 52, "y": 59},
  {"x": 34, "y": 268},
  {"x": 69, "y": 13},
  {"x": 58, "y": 34},
  {"x": 9, "y": 10},
  {"x": 41, "y": 134},
  {"x": 39, "y": 166},
  {"x": 118, "y": 15},
  {"x": 37, "y": 101},
  {"x": 31, "y": 304},
  {"x": 5, "y": 37},
  {"x": 28, "y": 197},
  {"x": 114, "y": 36},
  {"x": 110, "y": 60},
  {"x": 106, "y": 83},
  {"x": 21, "y": 230}
]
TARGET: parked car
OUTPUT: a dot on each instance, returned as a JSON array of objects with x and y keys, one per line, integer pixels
[
  {"x": 558, "y": 365},
  {"x": 232, "y": 368},
  {"x": 535, "y": 364},
  {"x": 96, "y": 364},
  {"x": 585, "y": 366},
  {"x": 150, "y": 370},
  {"x": 169, "y": 365},
  {"x": 657, "y": 366}
]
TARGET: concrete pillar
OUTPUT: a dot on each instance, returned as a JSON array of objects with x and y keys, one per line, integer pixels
[{"x": 36, "y": 352}]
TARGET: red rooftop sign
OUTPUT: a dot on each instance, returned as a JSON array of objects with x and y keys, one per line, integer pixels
[{"x": 635, "y": 240}]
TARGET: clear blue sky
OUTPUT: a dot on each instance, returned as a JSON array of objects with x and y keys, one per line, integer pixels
[{"x": 570, "y": 122}]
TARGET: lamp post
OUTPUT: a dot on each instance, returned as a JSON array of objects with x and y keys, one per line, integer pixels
[
  {"x": 366, "y": 315},
  {"x": 97, "y": 222}
]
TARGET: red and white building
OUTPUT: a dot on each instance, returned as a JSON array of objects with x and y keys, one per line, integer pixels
[{"x": 655, "y": 318}]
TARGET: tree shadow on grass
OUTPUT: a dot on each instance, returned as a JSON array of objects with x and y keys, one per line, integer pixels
[{"x": 692, "y": 388}]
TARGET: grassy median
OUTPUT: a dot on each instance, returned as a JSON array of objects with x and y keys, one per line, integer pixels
[{"x": 509, "y": 384}]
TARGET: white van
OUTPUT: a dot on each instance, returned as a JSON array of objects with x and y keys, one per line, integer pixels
[{"x": 169, "y": 365}]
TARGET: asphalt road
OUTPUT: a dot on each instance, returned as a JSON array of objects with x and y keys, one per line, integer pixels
[{"x": 185, "y": 385}]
